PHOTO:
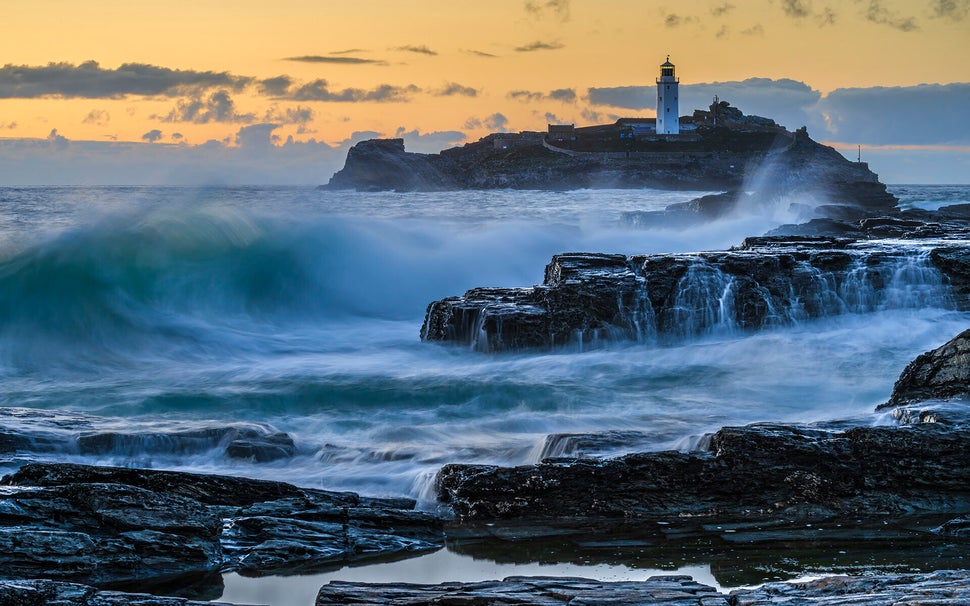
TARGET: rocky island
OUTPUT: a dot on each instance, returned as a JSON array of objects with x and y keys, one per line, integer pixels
[{"x": 723, "y": 150}]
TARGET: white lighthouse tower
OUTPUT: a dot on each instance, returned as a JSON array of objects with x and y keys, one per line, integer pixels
[{"x": 668, "y": 120}]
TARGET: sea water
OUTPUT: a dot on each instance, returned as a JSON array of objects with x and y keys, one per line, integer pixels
[{"x": 154, "y": 311}]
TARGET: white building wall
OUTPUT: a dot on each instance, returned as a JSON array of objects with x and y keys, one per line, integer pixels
[{"x": 668, "y": 115}]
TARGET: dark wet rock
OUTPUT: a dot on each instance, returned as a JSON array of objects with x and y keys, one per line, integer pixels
[
  {"x": 942, "y": 588},
  {"x": 950, "y": 587},
  {"x": 585, "y": 445},
  {"x": 938, "y": 374},
  {"x": 588, "y": 298},
  {"x": 254, "y": 442},
  {"x": 105, "y": 524},
  {"x": 551, "y": 591},
  {"x": 53, "y": 593},
  {"x": 748, "y": 473},
  {"x": 822, "y": 226}
]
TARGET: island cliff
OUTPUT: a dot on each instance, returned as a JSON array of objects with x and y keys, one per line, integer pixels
[{"x": 730, "y": 153}]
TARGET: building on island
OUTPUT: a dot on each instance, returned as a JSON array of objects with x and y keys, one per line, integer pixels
[{"x": 668, "y": 118}]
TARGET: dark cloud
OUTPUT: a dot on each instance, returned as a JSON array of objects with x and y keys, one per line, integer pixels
[
  {"x": 826, "y": 16},
  {"x": 319, "y": 90},
  {"x": 90, "y": 81},
  {"x": 421, "y": 50},
  {"x": 289, "y": 115},
  {"x": 452, "y": 89},
  {"x": 152, "y": 136},
  {"x": 559, "y": 9},
  {"x": 217, "y": 107},
  {"x": 539, "y": 45},
  {"x": 629, "y": 97},
  {"x": 99, "y": 117},
  {"x": 348, "y": 51},
  {"x": 495, "y": 122},
  {"x": 275, "y": 87},
  {"x": 57, "y": 140},
  {"x": 876, "y": 12},
  {"x": 675, "y": 20},
  {"x": 722, "y": 9},
  {"x": 8, "y": 125},
  {"x": 928, "y": 114},
  {"x": 798, "y": 9},
  {"x": 564, "y": 95},
  {"x": 479, "y": 53},
  {"x": 177, "y": 136},
  {"x": 722, "y": 32},
  {"x": 955, "y": 10},
  {"x": 335, "y": 60},
  {"x": 755, "y": 30},
  {"x": 429, "y": 143}
]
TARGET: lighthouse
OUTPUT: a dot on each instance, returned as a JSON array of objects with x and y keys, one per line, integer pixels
[{"x": 668, "y": 120}]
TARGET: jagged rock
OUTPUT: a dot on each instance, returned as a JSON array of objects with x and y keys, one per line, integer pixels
[
  {"x": 253, "y": 442},
  {"x": 938, "y": 374},
  {"x": 262, "y": 449},
  {"x": 53, "y": 593},
  {"x": 939, "y": 588},
  {"x": 770, "y": 281},
  {"x": 105, "y": 524},
  {"x": 549, "y": 591},
  {"x": 749, "y": 473}
]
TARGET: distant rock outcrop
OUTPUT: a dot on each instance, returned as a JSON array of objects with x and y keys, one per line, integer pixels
[
  {"x": 938, "y": 374},
  {"x": 761, "y": 156}
]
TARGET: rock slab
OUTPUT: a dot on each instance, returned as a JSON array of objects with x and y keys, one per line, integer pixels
[{"x": 942, "y": 373}]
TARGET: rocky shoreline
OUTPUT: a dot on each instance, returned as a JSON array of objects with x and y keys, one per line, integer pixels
[{"x": 892, "y": 495}]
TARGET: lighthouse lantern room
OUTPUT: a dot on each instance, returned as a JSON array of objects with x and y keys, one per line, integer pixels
[{"x": 668, "y": 120}]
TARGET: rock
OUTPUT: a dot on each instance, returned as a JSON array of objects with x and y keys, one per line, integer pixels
[
  {"x": 942, "y": 373},
  {"x": 666, "y": 590},
  {"x": 262, "y": 449},
  {"x": 255, "y": 442},
  {"x": 104, "y": 524},
  {"x": 938, "y": 588},
  {"x": 749, "y": 473},
  {"x": 588, "y": 298},
  {"x": 53, "y": 593}
]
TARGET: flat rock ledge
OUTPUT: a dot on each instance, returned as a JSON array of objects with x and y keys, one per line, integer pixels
[
  {"x": 588, "y": 298},
  {"x": 53, "y": 593},
  {"x": 750, "y": 474},
  {"x": 100, "y": 525},
  {"x": 942, "y": 373},
  {"x": 942, "y": 588}
]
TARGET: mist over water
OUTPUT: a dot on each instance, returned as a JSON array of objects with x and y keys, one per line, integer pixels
[{"x": 156, "y": 313}]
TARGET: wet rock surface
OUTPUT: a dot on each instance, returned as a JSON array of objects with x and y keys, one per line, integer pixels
[
  {"x": 751, "y": 473},
  {"x": 767, "y": 281},
  {"x": 939, "y": 588},
  {"x": 103, "y": 524},
  {"x": 942, "y": 373},
  {"x": 44, "y": 593}
]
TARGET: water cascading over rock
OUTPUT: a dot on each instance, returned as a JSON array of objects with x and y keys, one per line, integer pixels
[{"x": 587, "y": 298}]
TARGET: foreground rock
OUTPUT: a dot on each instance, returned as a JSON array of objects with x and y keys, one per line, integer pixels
[
  {"x": 769, "y": 281},
  {"x": 669, "y": 591},
  {"x": 939, "y": 588},
  {"x": 942, "y": 373},
  {"x": 43, "y": 593},
  {"x": 103, "y": 524},
  {"x": 752, "y": 473}
]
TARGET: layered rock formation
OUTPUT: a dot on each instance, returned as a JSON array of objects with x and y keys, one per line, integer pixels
[
  {"x": 765, "y": 282},
  {"x": 939, "y": 588},
  {"x": 719, "y": 159},
  {"x": 103, "y": 524},
  {"x": 942, "y": 373}
]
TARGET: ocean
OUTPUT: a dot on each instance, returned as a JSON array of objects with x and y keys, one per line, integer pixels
[{"x": 159, "y": 312}]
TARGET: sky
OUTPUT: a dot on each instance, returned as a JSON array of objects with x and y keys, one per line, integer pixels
[{"x": 209, "y": 92}]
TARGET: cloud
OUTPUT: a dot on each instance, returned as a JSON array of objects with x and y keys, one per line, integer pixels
[
  {"x": 564, "y": 95},
  {"x": 152, "y": 136},
  {"x": 495, "y": 122},
  {"x": 177, "y": 136},
  {"x": 722, "y": 9},
  {"x": 798, "y": 9},
  {"x": 479, "y": 53},
  {"x": 90, "y": 81},
  {"x": 629, "y": 97},
  {"x": 919, "y": 115},
  {"x": 452, "y": 89},
  {"x": 429, "y": 143},
  {"x": 675, "y": 20},
  {"x": 755, "y": 30},
  {"x": 421, "y": 50},
  {"x": 298, "y": 115},
  {"x": 877, "y": 13},
  {"x": 275, "y": 87},
  {"x": 558, "y": 9},
  {"x": 256, "y": 155},
  {"x": 339, "y": 60},
  {"x": 98, "y": 117},
  {"x": 218, "y": 107},
  {"x": 8, "y": 125},
  {"x": 955, "y": 10},
  {"x": 539, "y": 45},
  {"x": 319, "y": 90}
]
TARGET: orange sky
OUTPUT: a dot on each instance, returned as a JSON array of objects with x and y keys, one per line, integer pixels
[{"x": 422, "y": 47}]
